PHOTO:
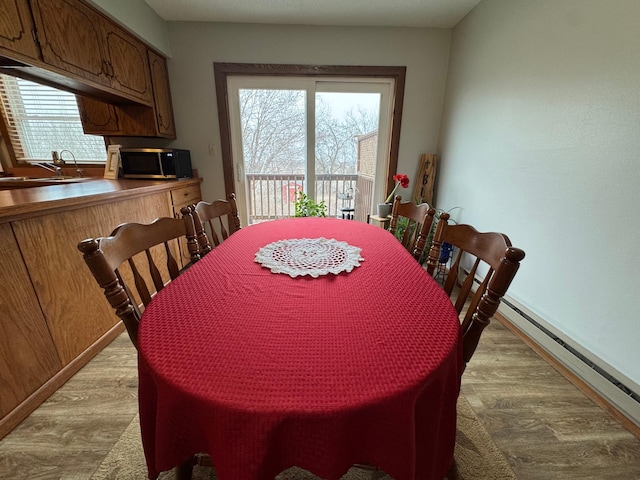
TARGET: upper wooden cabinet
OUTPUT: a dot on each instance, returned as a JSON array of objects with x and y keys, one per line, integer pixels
[
  {"x": 70, "y": 38},
  {"x": 77, "y": 39},
  {"x": 102, "y": 118},
  {"x": 162, "y": 95},
  {"x": 127, "y": 60},
  {"x": 124, "y": 86},
  {"x": 16, "y": 30}
]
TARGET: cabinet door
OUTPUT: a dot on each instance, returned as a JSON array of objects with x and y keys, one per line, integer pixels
[
  {"x": 74, "y": 307},
  {"x": 162, "y": 95},
  {"x": 98, "y": 118},
  {"x": 28, "y": 356},
  {"x": 181, "y": 197},
  {"x": 128, "y": 63},
  {"x": 16, "y": 30},
  {"x": 101, "y": 118},
  {"x": 70, "y": 38}
]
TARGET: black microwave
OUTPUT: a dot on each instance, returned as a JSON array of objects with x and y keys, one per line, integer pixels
[{"x": 155, "y": 163}]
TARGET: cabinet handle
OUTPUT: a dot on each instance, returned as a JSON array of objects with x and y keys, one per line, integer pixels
[{"x": 108, "y": 68}]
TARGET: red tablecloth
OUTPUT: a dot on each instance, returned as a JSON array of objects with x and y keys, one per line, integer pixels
[{"x": 263, "y": 371}]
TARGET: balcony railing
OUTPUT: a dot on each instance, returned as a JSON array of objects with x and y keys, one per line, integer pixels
[{"x": 272, "y": 196}]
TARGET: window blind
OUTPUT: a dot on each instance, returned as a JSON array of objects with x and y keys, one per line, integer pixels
[{"x": 40, "y": 119}]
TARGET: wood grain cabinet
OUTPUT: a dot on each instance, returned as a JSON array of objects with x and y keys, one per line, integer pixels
[
  {"x": 123, "y": 86},
  {"x": 103, "y": 118},
  {"x": 162, "y": 95},
  {"x": 127, "y": 60},
  {"x": 28, "y": 356},
  {"x": 53, "y": 315},
  {"x": 181, "y": 197},
  {"x": 16, "y": 30},
  {"x": 75, "y": 308},
  {"x": 77, "y": 39},
  {"x": 70, "y": 38}
]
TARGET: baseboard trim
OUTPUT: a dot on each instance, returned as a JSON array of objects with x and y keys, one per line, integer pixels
[
  {"x": 600, "y": 385},
  {"x": 12, "y": 419}
]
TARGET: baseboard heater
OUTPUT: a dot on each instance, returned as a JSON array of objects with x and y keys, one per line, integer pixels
[
  {"x": 614, "y": 387},
  {"x": 621, "y": 392}
]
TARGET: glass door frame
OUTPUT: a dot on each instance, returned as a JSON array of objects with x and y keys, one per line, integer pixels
[
  {"x": 382, "y": 87},
  {"x": 224, "y": 70},
  {"x": 311, "y": 86}
]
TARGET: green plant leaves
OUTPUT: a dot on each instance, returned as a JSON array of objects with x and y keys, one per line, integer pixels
[{"x": 306, "y": 207}]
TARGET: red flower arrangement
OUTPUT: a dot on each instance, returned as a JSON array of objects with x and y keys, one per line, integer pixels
[{"x": 401, "y": 181}]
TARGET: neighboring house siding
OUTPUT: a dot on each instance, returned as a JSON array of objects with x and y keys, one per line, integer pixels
[{"x": 367, "y": 145}]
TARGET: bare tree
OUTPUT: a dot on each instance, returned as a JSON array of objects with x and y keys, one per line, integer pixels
[
  {"x": 273, "y": 130},
  {"x": 274, "y": 141},
  {"x": 336, "y": 142},
  {"x": 274, "y": 133}
]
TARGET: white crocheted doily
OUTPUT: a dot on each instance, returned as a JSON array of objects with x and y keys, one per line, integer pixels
[{"x": 309, "y": 256}]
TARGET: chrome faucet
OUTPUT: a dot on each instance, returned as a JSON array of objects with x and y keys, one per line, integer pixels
[
  {"x": 57, "y": 169},
  {"x": 58, "y": 158}
]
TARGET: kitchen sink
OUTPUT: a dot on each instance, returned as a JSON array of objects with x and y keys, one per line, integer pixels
[
  {"x": 57, "y": 179},
  {"x": 13, "y": 179},
  {"x": 26, "y": 182}
]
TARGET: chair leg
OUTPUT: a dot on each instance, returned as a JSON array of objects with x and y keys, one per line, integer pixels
[
  {"x": 203, "y": 460},
  {"x": 185, "y": 470}
]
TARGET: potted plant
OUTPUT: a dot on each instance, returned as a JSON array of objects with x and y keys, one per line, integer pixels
[
  {"x": 306, "y": 207},
  {"x": 384, "y": 209},
  {"x": 445, "y": 249}
]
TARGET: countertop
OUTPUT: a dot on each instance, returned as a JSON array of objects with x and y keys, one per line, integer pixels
[{"x": 16, "y": 204}]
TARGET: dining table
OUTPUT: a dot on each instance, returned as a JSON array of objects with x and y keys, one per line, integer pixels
[{"x": 319, "y": 343}]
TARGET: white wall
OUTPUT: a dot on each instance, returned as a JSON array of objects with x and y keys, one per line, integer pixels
[
  {"x": 195, "y": 46},
  {"x": 540, "y": 140},
  {"x": 140, "y": 19}
]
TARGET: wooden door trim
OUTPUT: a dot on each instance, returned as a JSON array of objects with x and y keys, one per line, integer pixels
[{"x": 223, "y": 70}]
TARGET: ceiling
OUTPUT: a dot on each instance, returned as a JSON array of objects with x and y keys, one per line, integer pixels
[{"x": 396, "y": 13}]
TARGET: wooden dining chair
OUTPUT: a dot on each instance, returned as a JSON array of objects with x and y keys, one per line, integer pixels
[
  {"x": 134, "y": 263},
  {"x": 482, "y": 287},
  {"x": 419, "y": 219},
  {"x": 213, "y": 222}
]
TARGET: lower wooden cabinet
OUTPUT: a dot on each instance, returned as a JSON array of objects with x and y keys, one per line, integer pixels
[
  {"x": 26, "y": 345},
  {"x": 75, "y": 308},
  {"x": 181, "y": 197},
  {"x": 53, "y": 315}
]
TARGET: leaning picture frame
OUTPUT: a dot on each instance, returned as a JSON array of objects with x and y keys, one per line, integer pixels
[{"x": 112, "y": 167}]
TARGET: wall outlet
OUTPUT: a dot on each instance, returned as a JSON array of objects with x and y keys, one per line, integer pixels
[{"x": 212, "y": 150}]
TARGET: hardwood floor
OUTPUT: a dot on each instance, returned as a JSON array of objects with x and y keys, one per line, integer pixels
[
  {"x": 546, "y": 428},
  {"x": 69, "y": 435}
]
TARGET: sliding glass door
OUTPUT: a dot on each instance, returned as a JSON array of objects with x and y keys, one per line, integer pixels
[{"x": 329, "y": 140}]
